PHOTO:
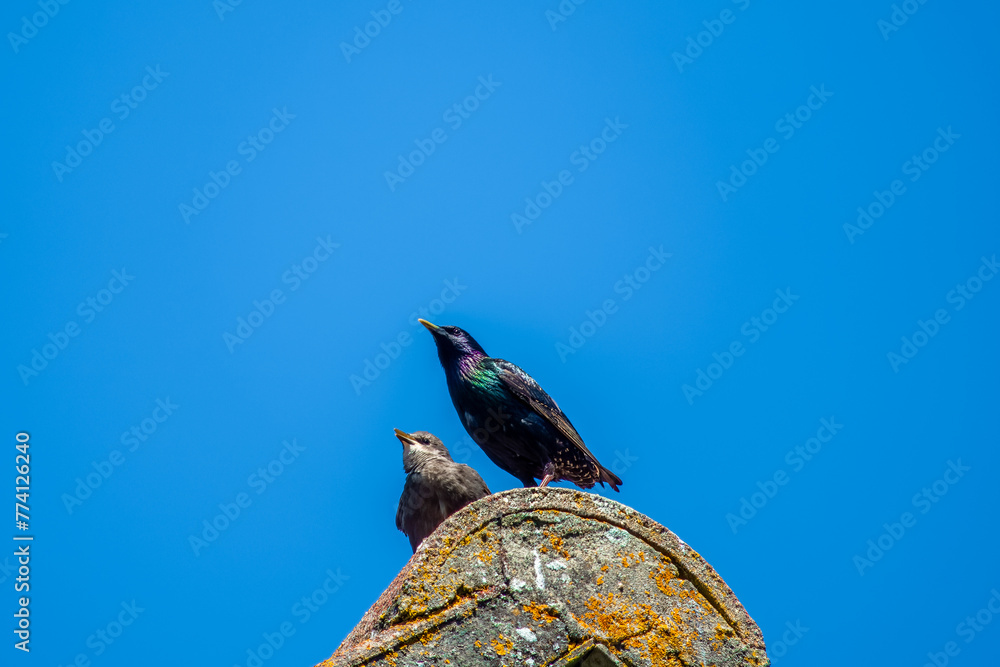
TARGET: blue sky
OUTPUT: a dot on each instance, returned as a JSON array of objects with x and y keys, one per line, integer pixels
[{"x": 214, "y": 219}]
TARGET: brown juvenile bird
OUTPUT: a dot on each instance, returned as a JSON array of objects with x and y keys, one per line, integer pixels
[{"x": 436, "y": 487}]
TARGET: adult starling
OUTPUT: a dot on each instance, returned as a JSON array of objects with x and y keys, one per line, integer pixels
[
  {"x": 436, "y": 487},
  {"x": 511, "y": 418}
]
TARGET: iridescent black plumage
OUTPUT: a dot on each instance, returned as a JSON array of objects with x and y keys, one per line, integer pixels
[
  {"x": 436, "y": 487},
  {"x": 511, "y": 418}
]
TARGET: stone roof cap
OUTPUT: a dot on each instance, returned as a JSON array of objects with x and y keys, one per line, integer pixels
[{"x": 551, "y": 576}]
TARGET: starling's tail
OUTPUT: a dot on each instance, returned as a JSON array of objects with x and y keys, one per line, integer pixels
[{"x": 610, "y": 478}]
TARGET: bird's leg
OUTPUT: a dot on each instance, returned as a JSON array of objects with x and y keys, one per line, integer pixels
[{"x": 550, "y": 474}]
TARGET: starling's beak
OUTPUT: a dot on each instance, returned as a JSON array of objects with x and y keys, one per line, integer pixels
[
  {"x": 433, "y": 328},
  {"x": 404, "y": 437}
]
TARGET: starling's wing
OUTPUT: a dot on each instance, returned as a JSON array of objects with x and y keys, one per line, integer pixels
[
  {"x": 418, "y": 513},
  {"x": 459, "y": 485},
  {"x": 402, "y": 511},
  {"x": 474, "y": 486},
  {"x": 528, "y": 391}
]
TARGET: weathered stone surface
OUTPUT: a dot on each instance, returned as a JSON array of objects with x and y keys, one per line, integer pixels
[{"x": 546, "y": 577}]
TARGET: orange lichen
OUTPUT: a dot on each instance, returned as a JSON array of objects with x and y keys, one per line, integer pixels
[
  {"x": 658, "y": 639},
  {"x": 664, "y": 648},
  {"x": 666, "y": 579},
  {"x": 541, "y": 612},
  {"x": 617, "y": 618},
  {"x": 557, "y": 543},
  {"x": 501, "y": 646},
  {"x": 427, "y": 591},
  {"x": 632, "y": 558},
  {"x": 663, "y": 575},
  {"x": 668, "y": 642},
  {"x": 484, "y": 535},
  {"x": 722, "y": 634},
  {"x": 429, "y": 636}
]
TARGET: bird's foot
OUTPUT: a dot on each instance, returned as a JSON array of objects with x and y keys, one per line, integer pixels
[{"x": 546, "y": 480}]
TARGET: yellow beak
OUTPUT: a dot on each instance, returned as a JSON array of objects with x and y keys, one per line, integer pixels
[{"x": 404, "y": 437}]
